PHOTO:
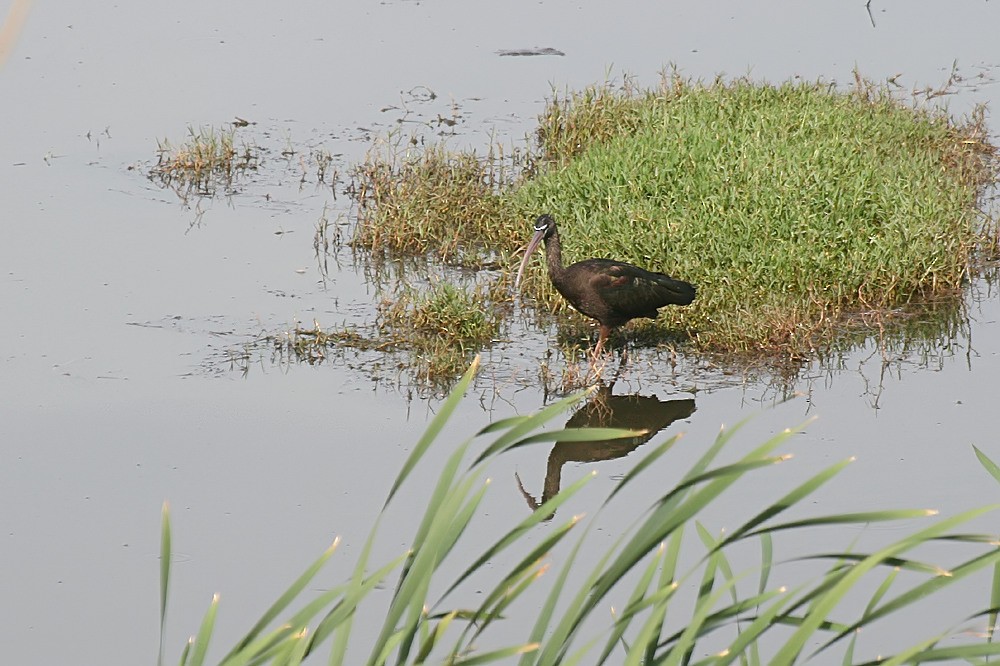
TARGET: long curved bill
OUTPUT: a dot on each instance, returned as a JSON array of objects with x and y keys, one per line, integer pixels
[{"x": 532, "y": 246}]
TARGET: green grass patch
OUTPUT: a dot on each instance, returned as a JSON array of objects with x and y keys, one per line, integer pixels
[
  {"x": 792, "y": 207},
  {"x": 680, "y": 587}
]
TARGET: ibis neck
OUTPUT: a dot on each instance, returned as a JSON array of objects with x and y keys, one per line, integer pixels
[{"x": 553, "y": 256}]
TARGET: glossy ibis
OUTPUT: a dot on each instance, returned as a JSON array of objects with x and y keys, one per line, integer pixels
[{"x": 612, "y": 292}]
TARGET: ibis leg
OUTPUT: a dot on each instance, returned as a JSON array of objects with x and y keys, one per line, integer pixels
[{"x": 602, "y": 337}]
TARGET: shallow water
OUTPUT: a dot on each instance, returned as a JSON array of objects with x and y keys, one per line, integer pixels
[{"x": 121, "y": 303}]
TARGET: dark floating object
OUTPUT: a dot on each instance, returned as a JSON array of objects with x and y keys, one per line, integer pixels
[
  {"x": 612, "y": 292},
  {"x": 537, "y": 51}
]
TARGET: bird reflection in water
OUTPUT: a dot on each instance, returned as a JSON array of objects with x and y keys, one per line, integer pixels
[{"x": 604, "y": 410}]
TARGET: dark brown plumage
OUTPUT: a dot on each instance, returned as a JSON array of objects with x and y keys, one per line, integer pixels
[{"x": 612, "y": 292}]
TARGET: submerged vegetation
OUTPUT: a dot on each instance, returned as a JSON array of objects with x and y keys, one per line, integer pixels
[
  {"x": 667, "y": 606},
  {"x": 794, "y": 208}
]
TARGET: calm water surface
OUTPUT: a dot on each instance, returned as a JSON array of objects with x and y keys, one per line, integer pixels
[{"x": 120, "y": 302}]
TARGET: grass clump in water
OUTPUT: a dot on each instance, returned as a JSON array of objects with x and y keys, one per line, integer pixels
[
  {"x": 792, "y": 207},
  {"x": 443, "y": 311},
  {"x": 432, "y": 200},
  {"x": 442, "y": 327},
  {"x": 209, "y": 158},
  {"x": 439, "y": 329},
  {"x": 788, "y": 206}
]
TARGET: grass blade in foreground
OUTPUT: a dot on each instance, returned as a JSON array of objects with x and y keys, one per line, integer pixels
[
  {"x": 643, "y": 464},
  {"x": 789, "y": 500},
  {"x": 165, "y": 554},
  {"x": 200, "y": 647},
  {"x": 434, "y": 429},
  {"x": 991, "y": 624},
  {"x": 923, "y": 590},
  {"x": 652, "y": 627},
  {"x": 530, "y": 424},
  {"x": 286, "y": 598},
  {"x": 988, "y": 464},
  {"x": 543, "y": 512},
  {"x": 821, "y": 608},
  {"x": 668, "y": 515}
]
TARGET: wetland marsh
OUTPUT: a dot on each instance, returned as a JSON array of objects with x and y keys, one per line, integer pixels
[{"x": 129, "y": 306}]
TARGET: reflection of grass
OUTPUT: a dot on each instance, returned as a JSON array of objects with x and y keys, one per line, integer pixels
[
  {"x": 679, "y": 586},
  {"x": 792, "y": 207}
]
